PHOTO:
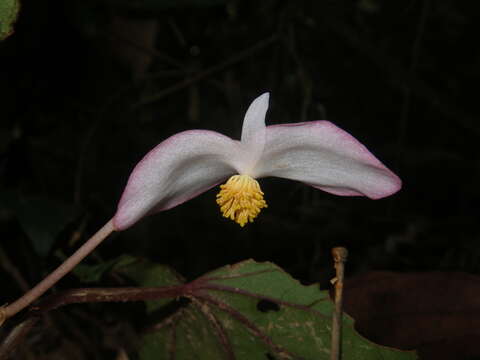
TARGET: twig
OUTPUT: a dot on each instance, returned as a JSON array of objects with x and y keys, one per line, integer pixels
[
  {"x": 183, "y": 84},
  {"x": 152, "y": 52},
  {"x": 93, "y": 295},
  {"x": 87, "y": 295},
  {"x": 405, "y": 110},
  {"x": 8, "y": 266},
  {"x": 339, "y": 257},
  {"x": 57, "y": 274},
  {"x": 399, "y": 76},
  {"x": 302, "y": 73},
  {"x": 88, "y": 139},
  {"x": 16, "y": 336},
  {"x": 122, "y": 354}
]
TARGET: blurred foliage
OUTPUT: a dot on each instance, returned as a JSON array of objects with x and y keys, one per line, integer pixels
[
  {"x": 401, "y": 77},
  {"x": 88, "y": 273},
  {"x": 8, "y": 15},
  {"x": 42, "y": 219}
]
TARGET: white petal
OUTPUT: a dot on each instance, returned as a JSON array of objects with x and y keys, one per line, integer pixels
[
  {"x": 326, "y": 157},
  {"x": 178, "y": 169},
  {"x": 253, "y": 129}
]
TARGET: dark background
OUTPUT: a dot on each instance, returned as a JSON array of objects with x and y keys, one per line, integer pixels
[{"x": 76, "y": 86}]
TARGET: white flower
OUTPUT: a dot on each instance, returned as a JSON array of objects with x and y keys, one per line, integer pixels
[{"x": 189, "y": 163}]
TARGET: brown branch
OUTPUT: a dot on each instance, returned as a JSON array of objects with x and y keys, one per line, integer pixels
[
  {"x": 339, "y": 257},
  {"x": 203, "y": 74},
  {"x": 87, "y": 295},
  {"x": 15, "y": 337},
  {"x": 93, "y": 295},
  {"x": 398, "y": 75},
  {"x": 152, "y": 52},
  {"x": 11, "y": 269},
  {"x": 38, "y": 290},
  {"x": 414, "y": 55}
]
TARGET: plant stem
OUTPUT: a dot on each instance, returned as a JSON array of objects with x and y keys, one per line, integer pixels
[
  {"x": 34, "y": 293},
  {"x": 340, "y": 257},
  {"x": 76, "y": 296}
]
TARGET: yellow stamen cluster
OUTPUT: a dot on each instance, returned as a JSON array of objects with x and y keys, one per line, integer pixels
[{"x": 241, "y": 199}]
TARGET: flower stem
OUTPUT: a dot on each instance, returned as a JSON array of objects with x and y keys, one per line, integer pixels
[{"x": 34, "y": 293}]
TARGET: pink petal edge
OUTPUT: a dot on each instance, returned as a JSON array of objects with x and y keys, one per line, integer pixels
[
  {"x": 353, "y": 148},
  {"x": 134, "y": 188}
]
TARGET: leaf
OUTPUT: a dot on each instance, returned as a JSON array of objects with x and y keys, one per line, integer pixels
[
  {"x": 87, "y": 273},
  {"x": 43, "y": 219},
  {"x": 251, "y": 311},
  {"x": 435, "y": 313},
  {"x": 8, "y": 14},
  {"x": 149, "y": 274}
]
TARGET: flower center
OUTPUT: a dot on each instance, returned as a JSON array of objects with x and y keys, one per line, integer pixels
[{"x": 241, "y": 199}]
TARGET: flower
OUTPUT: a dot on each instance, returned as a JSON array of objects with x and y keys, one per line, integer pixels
[{"x": 189, "y": 163}]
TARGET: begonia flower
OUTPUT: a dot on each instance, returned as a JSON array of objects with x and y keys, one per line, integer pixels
[
  {"x": 187, "y": 164},
  {"x": 317, "y": 153}
]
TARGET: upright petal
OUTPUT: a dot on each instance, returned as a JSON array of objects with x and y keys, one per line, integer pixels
[
  {"x": 253, "y": 130},
  {"x": 178, "y": 169},
  {"x": 326, "y": 157}
]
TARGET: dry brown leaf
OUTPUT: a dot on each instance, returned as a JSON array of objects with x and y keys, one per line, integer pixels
[{"x": 437, "y": 313}]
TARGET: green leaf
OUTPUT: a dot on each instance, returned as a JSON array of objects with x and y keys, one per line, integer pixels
[
  {"x": 93, "y": 273},
  {"x": 250, "y": 311},
  {"x": 149, "y": 274},
  {"x": 8, "y": 14},
  {"x": 42, "y": 219}
]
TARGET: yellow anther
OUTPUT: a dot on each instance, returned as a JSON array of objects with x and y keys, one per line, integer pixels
[{"x": 241, "y": 199}]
